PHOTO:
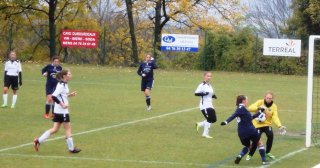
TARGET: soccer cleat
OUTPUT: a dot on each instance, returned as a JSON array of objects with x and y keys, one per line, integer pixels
[
  {"x": 248, "y": 157},
  {"x": 265, "y": 163},
  {"x": 269, "y": 155},
  {"x": 36, "y": 144},
  {"x": 12, "y": 106},
  {"x": 197, "y": 127},
  {"x": 46, "y": 116},
  {"x": 149, "y": 108},
  {"x": 238, "y": 159},
  {"x": 75, "y": 150},
  {"x": 4, "y": 106},
  {"x": 207, "y": 136}
]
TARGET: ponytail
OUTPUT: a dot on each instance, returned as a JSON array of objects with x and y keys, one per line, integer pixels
[{"x": 59, "y": 75}]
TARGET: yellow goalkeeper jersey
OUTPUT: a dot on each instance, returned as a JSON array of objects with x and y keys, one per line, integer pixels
[{"x": 271, "y": 114}]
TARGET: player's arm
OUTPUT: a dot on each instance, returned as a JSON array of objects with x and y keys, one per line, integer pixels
[
  {"x": 139, "y": 72},
  {"x": 276, "y": 120},
  {"x": 232, "y": 117},
  {"x": 5, "y": 71},
  {"x": 44, "y": 71},
  {"x": 199, "y": 91},
  {"x": 20, "y": 73},
  {"x": 55, "y": 94},
  {"x": 254, "y": 107},
  {"x": 155, "y": 66}
]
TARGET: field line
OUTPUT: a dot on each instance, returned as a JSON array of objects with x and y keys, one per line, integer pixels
[
  {"x": 316, "y": 166},
  {"x": 284, "y": 157},
  {"x": 104, "y": 159},
  {"x": 104, "y": 128}
]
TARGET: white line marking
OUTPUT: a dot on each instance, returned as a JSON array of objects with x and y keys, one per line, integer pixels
[
  {"x": 284, "y": 157},
  {"x": 105, "y": 159},
  {"x": 317, "y": 166},
  {"x": 104, "y": 128}
]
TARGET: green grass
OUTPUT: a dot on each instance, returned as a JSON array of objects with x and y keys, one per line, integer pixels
[{"x": 110, "y": 97}]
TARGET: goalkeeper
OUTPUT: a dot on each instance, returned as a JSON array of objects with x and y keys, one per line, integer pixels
[{"x": 271, "y": 111}]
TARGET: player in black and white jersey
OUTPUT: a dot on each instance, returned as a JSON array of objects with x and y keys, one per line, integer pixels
[
  {"x": 206, "y": 93},
  {"x": 13, "y": 78},
  {"x": 60, "y": 97}
]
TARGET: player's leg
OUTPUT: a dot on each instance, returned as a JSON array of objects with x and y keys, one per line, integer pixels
[
  {"x": 211, "y": 118},
  {"x": 246, "y": 143},
  {"x": 46, "y": 135},
  {"x": 149, "y": 85},
  {"x": 15, "y": 88},
  {"x": 201, "y": 123},
  {"x": 252, "y": 151},
  {"x": 269, "y": 133},
  {"x": 49, "y": 102},
  {"x": 262, "y": 152},
  {"x": 7, "y": 83},
  {"x": 69, "y": 140}
]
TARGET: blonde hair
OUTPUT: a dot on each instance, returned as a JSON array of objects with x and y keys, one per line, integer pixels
[{"x": 269, "y": 92}]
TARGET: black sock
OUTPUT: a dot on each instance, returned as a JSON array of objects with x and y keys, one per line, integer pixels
[
  {"x": 47, "y": 108},
  {"x": 148, "y": 100},
  {"x": 52, "y": 106}
]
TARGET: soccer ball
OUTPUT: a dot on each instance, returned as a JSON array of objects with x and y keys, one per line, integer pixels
[{"x": 261, "y": 117}]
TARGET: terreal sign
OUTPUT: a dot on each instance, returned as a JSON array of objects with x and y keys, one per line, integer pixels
[
  {"x": 79, "y": 39},
  {"x": 179, "y": 42},
  {"x": 282, "y": 47}
]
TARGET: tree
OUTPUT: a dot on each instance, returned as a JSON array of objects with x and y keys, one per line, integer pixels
[
  {"x": 188, "y": 13},
  {"x": 269, "y": 17},
  {"x": 134, "y": 46},
  {"x": 54, "y": 10},
  {"x": 305, "y": 20}
]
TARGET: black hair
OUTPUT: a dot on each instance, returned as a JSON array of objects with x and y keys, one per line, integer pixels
[{"x": 240, "y": 99}]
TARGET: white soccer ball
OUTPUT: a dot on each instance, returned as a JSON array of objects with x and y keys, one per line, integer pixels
[{"x": 261, "y": 117}]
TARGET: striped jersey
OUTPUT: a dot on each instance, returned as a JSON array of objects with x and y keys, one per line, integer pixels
[
  {"x": 61, "y": 92},
  {"x": 205, "y": 101},
  {"x": 12, "y": 67}
]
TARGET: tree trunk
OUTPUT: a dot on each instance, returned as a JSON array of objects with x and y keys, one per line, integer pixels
[
  {"x": 157, "y": 28},
  {"x": 134, "y": 45},
  {"x": 52, "y": 27}
]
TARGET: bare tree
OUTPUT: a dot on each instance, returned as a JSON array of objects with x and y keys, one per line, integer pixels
[{"x": 269, "y": 17}]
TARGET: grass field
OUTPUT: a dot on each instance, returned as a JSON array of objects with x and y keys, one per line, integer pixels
[{"x": 112, "y": 127}]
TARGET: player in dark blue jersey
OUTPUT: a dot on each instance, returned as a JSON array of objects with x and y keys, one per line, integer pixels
[
  {"x": 50, "y": 72},
  {"x": 146, "y": 72},
  {"x": 247, "y": 133}
]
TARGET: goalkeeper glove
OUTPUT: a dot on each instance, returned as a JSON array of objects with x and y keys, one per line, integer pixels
[
  {"x": 282, "y": 130},
  {"x": 224, "y": 123}
]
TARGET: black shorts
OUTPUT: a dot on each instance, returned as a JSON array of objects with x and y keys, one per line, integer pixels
[
  {"x": 251, "y": 140},
  {"x": 267, "y": 130},
  {"x": 210, "y": 115},
  {"x": 50, "y": 88},
  {"x": 61, "y": 118},
  {"x": 146, "y": 84},
  {"x": 12, "y": 81}
]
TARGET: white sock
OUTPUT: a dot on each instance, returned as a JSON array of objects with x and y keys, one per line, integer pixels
[
  {"x": 202, "y": 123},
  {"x": 5, "y": 99},
  {"x": 70, "y": 143},
  {"x": 44, "y": 136},
  {"x": 14, "y": 99},
  {"x": 206, "y": 128}
]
